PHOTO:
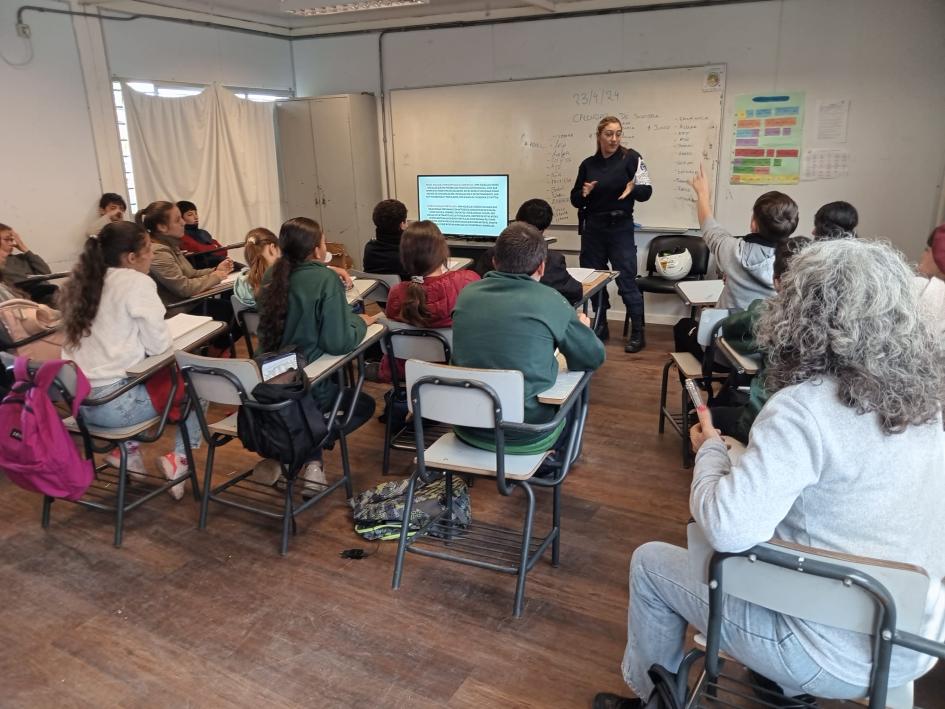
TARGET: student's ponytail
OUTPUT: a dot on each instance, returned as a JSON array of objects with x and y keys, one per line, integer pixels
[
  {"x": 298, "y": 238},
  {"x": 423, "y": 250},
  {"x": 82, "y": 293}
]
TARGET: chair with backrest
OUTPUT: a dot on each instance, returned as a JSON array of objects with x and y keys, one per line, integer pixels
[
  {"x": 488, "y": 399},
  {"x": 883, "y": 599},
  {"x": 247, "y": 316},
  {"x": 230, "y": 382},
  {"x": 652, "y": 282},
  {"x": 386, "y": 280},
  {"x": 114, "y": 491},
  {"x": 404, "y": 342}
]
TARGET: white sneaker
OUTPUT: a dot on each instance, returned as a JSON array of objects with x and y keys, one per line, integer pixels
[
  {"x": 313, "y": 478},
  {"x": 134, "y": 463},
  {"x": 174, "y": 466},
  {"x": 266, "y": 472}
]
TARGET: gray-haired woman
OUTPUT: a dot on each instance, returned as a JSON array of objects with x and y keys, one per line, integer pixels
[{"x": 847, "y": 455}]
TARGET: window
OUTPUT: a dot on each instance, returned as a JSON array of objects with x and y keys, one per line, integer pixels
[{"x": 168, "y": 90}]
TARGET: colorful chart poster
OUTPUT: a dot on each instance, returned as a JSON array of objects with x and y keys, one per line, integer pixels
[{"x": 767, "y": 144}]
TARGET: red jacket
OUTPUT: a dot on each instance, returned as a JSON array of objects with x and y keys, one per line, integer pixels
[{"x": 441, "y": 292}]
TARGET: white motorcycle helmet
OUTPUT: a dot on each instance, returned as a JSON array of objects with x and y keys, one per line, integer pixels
[{"x": 674, "y": 264}]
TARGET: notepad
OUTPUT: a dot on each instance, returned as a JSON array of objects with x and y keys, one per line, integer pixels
[
  {"x": 183, "y": 323},
  {"x": 584, "y": 275},
  {"x": 561, "y": 389},
  {"x": 231, "y": 278}
]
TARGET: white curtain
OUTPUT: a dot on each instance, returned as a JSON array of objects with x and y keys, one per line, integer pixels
[{"x": 213, "y": 149}]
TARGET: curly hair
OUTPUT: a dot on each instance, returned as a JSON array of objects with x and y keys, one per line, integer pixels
[
  {"x": 82, "y": 293},
  {"x": 298, "y": 238},
  {"x": 388, "y": 215},
  {"x": 848, "y": 311}
]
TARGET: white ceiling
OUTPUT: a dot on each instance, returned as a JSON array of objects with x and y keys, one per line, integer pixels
[{"x": 270, "y": 15}]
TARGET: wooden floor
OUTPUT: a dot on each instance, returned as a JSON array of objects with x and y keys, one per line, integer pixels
[{"x": 179, "y": 617}]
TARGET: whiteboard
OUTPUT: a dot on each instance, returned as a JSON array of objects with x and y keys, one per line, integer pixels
[{"x": 539, "y": 130}]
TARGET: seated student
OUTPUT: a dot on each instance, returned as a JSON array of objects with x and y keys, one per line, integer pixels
[
  {"x": 509, "y": 320},
  {"x": 427, "y": 299},
  {"x": 303, "y": 304},
  {"x": 197, "y": 240},
  {"x": 845, "y": 456},
  {"x": 747, "y": 262},
  {"x": 113, "y": 319},
  {"x": 262, "y": 250},
  {"x": 739, "y": 331},
  {"x": 177, "y": 280},
  {"x": 836, "y": 220},
  {"x": 111, "y": 208},
  {"x": 382, "y": 253},
  {"x": 16, "y": 267},
  {"x": 538, "y": 213},
  {"x": 930, "y": 281}
]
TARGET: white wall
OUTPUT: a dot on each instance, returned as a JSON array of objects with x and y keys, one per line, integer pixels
[
  {"x": 49, "y": 182},
  {"x": 888, "y": 58},
  {"x": 168, "y": 51}
]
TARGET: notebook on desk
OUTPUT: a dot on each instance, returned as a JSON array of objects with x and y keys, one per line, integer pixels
[
  {"x": 583, "y": 275},
  {"x": 559, "y": 392},
  {"x": 182, "y": 323}
]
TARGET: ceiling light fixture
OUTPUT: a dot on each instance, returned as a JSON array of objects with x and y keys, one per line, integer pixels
[{"x": 356, "y": 6}]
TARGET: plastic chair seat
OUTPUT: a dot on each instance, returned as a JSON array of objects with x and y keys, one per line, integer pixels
[
  {"x": 655, "y": 284},
  {"x": 451, "y": 453},
  {"x": 112, "y": 434}
]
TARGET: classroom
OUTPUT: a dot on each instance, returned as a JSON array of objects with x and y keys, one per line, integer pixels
[{"x": 775, "y": 220}]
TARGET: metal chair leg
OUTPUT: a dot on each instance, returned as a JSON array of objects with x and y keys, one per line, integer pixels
[
  {"x": 191, "y": 465},
  {"x": 122, "y": 484},
  {"x": 345, "y": 464},
  {"x": 404, "y": 531},
  {"x": 287, "y": 518},
  {"x": 556, "y": 526},
  {"x": 388, "y": 430},
  {"x": 664, "y": 386},
  {"x": 207, "y": 485},
  {"x": 523, "y": 557},
  {"x": 684, "y": 434},
  {"x": 47, "y": 506}
]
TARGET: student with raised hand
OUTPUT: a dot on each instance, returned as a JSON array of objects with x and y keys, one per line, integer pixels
[
  {"x": 836, "y": 220},
  {"x": 509, "y": 320},
  {"x": 303, "y": 304},
  {"x": 382, "y": 253},
  {"x": 111, "y": 208},
  {"x": 262, "y": 251},
  {"x": 113, "y": 319},
  {"x": 539, "y": 213},
  {"x": 177, "y": 280},
  {"x": 846, "y": 456},
  {"x": 747, "y": 262}
]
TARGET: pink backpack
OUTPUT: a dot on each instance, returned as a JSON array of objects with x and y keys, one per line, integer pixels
[{"x": 36, "y": 451}]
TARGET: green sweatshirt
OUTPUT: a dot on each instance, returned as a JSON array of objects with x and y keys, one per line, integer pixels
[
  {"x": 319, "y": 320},
  {"x": 510, "y": 321},
  {"x": 739, "y": 332}
]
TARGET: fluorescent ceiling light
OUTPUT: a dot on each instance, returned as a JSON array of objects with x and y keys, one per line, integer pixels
[{"x": 356, "y": 6}]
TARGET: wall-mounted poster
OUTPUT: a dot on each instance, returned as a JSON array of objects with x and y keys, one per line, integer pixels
[{"x": 767, "y": 142}]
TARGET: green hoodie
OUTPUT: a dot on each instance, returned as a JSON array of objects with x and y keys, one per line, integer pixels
[
  {"x": 510, "y": 321},
  {"x": 319, "y": 320}
]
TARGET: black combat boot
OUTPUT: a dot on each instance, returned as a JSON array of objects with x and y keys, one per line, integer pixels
[{"x": 637, "y": 340}]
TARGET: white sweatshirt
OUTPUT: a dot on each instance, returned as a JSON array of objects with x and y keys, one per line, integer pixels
[
  {"x": 818, "y": 474},
  {"x": 128, "y": 327}
]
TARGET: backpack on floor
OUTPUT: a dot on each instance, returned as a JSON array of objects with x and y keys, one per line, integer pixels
[
  {"x": 36, "y": 451},
  {"x": 664, "y": 694},
  {"x": 379, "y": 512}
]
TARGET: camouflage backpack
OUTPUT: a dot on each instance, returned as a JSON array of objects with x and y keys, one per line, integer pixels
[{"x": 379, "y": 512}]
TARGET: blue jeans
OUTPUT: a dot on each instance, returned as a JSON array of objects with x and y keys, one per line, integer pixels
[
  {"x": 604, "y": 241},
  {"x": 134, "y": 406},
  {"x": 664, "y": 599}
]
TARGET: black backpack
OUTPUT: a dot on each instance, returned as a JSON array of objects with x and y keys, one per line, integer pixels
[
  {"x": 283, "y": 423},
  {"x": 665, "y": 694}
]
